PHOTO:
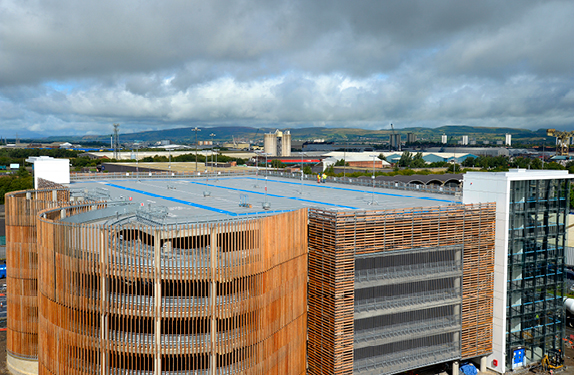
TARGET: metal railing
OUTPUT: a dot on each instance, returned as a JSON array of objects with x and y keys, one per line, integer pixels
[
  {"x": 410, "y": 271},
  {"x": 155, "y": 175},
  {"x": 368, "y": 182},
  {"x": 363, "y": 182},
  {"x": 445, "y": 296},
  {"x": 224, "y": 370},
  {"x": 419, "y": 328},
  {"x": 135, "y": 254},
  {"x": 408, "y": 359}
]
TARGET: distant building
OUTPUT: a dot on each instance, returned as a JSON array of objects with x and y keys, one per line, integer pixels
[
  {"x": 484, "y": 151},
  {"x": 319, "y": 146},
  {"x": 508, "y": 139},
  {"x": 395, "y": 141},
  {"x": 278, "y": 143},
  {"x": 411, "y": 137},
  {"x": 443, "y": 139},
  {"x": 464, "y": 140},
  {"x": 236, "y": 145}
]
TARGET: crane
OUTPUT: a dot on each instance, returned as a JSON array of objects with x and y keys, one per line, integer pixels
[
  {"x": 562, "y": 138},
  {"x": 255, "y": 137}
]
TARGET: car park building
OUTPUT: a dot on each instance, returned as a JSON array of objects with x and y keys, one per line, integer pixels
[{"x": 166, "y": 276}]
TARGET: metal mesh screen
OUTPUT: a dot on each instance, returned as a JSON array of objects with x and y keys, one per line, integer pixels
[{"x": 407, "y": 305}]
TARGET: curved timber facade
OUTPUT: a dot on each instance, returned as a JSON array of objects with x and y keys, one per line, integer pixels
[
  {"x": 22, "y": 209},
  {"x": 225, "y": 297}
]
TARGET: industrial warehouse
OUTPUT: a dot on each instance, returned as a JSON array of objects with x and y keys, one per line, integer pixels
[{"x": 252, "y": 274}]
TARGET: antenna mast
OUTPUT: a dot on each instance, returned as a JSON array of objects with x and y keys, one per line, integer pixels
[{"x": 116, "y": 141}]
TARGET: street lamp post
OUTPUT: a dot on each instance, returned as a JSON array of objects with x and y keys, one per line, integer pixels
[
  {"x": 344, "y": 162},
  {"x": 543, "y": 151},
  {"x": 137, "y": 162},
  {"x": 216, "y": 172},
  {"x": 266, "y": 204},
  {"x": 195, "y": 130},
  {"x": 373, "y": 178},
  {"x": 302, "y": 174},
  {"x": 212, "y": 135}
]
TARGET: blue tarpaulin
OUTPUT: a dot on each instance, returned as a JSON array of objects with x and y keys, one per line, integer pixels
[{"x": 468, "y": 369}]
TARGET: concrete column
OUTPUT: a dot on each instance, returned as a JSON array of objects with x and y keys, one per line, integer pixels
[
  {"x": 483, "y": 362},
  {"x": 157, "y": 301},
  {"x": 455, "y": 369}
]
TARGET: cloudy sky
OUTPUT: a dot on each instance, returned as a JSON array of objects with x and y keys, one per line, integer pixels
[{"x": 76, "y": 67}]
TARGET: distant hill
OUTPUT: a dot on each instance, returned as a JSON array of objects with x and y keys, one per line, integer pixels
[{"x": 243, "y": 133}]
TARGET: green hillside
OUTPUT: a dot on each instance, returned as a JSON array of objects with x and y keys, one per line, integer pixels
[{"x": 243, "y": 133}]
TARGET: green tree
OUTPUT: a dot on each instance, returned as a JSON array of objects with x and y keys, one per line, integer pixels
[
  {"x": 418, "y": 161},
  {"x": 330, "y": 170},
  {"x": 521, "y": 162},
  {"x": 23, "y": 172},
  {"x": 160, "y": 159},
  {"x": 468, "y": 162},
  {"x": 453, "y": 168},
  {"x": 22, "y": 181},
  {"x": 277, "y": 164},
  {"x": 554, "y": 165},
  {"x": 536, "y": 164},
  {"x": 405, "y": 160},
  {"x": 439, "y": 164}
]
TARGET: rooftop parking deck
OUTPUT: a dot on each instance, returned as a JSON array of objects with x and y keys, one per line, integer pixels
[{"x": 227, "y": 197}]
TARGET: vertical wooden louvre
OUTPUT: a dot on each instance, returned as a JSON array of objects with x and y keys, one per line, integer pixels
[
  {"x": 335, "y": 238},
  {"x": 22, "y": 208},
  {"x": 213, "y": 298}
]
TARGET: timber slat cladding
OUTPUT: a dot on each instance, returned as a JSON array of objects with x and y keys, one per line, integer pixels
[
  {"x": 22, "y": 208},
  {"x": 227, "y": 297},
  {"x": 335, "y": 238}
]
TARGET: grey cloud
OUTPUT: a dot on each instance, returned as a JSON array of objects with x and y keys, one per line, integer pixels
[
  {"x": 540, "y": 42},
  {"x": 76, "y": 66}
]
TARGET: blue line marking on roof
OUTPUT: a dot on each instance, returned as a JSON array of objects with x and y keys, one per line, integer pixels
[
  {"x": 274, "y": 195},
  {"x": 180, "y": 201},
  {"x": 356, "y": 190}
]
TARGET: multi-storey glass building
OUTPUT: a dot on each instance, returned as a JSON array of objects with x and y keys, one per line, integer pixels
[{"x": 529, "y": 261}]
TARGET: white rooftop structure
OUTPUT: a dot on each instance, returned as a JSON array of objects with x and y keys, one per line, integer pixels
[{"x": 48, "y": 168}]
